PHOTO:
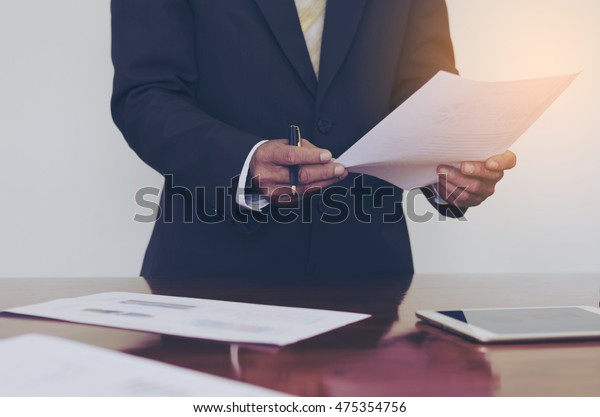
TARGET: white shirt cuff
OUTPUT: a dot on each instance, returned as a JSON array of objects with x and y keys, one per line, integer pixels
[{"x": 254, "y": 202}]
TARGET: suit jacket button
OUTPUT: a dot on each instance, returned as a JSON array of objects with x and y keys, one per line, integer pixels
[{"x": 325, "y": 126}]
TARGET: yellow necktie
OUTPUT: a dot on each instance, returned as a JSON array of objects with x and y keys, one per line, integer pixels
[{"x": 312, "y": 20}]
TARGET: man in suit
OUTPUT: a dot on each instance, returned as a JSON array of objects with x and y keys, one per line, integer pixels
[{"x": 203, "y": 90}]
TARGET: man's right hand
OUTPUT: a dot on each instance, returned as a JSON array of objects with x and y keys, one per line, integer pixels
[{"x": 270, "y": 164}]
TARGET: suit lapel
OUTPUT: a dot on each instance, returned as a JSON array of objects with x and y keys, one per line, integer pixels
[
  {"x": 341, "y": 23},
  {"x": 282, "y": 17}
]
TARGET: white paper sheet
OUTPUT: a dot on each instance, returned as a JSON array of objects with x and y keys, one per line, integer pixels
[
  {"x": 192, "y": 317},
  {"x": 37, "y": 366},
  {"x": 448, "y": 121}
]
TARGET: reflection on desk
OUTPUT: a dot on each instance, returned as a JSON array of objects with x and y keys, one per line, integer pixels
[
  {"x": 357, "y": 360},
  {"x": 385, "y": 355}
]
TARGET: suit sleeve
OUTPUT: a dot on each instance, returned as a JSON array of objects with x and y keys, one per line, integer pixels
[
  {"x": 154, "y": 105},
  {"x": 426, "y": 50}
]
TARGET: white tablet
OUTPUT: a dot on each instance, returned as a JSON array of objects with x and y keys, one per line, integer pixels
[{"x": 518, "y": 324}]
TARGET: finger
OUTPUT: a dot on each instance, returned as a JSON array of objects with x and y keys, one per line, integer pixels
[
  {"x": 295, "y": 155},
  {"x": 307, "y": 144},
  {"x": 449, "y": 191},
  {"x": 473, "y": 185},
  {"x": 283, "y": 196},
  {"x": 272, "y": 174},
  {"x": 309, "y": 174},
  {"x": 474, "y": 170},
  {"x": 506, "y": 161},
  {"x": 458, "y": 196},
  {"x": 319, "y": 185}
]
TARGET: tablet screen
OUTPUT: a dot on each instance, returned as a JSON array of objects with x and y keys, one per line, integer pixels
[{"x": 528, "y": 321}]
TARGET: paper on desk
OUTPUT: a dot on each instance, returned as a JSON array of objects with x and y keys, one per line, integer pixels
[
  {"x": 191, "y": 317},
  {"x": 448, "y": 121},
  {"x": 36, "y": 365}
]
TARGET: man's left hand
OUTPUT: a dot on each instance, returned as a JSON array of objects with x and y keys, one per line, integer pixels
[{"x": 474, "y": 182}]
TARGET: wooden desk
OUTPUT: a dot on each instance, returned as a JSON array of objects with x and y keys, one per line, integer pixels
[{"x": 384, "y": 356}]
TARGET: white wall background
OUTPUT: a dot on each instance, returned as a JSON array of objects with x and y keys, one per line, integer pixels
[{"x": 67, "y": 179}]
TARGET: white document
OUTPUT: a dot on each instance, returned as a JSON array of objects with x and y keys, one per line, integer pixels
[
  {"x": 37, "y": 366},
  {"x": 192, "y": 317},
  {"x": 448, "y": 121}
]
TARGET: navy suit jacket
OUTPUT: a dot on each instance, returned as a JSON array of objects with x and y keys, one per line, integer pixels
[{"x": 199, "y": 82}]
